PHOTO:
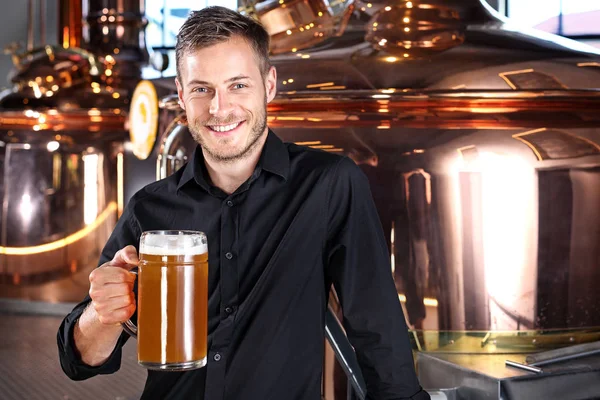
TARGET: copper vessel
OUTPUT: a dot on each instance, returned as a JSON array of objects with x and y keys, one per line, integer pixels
[
  {"x": 482, "y": 145},
  {"x": 62, "y": 129}
]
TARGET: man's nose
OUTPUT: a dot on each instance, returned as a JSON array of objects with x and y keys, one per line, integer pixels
[{"x": 220, "y": 104}]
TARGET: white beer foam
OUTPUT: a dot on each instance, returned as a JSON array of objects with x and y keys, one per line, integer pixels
[
  {"x": 166, "y": 251},
  {"x": 173, "y": 245}
]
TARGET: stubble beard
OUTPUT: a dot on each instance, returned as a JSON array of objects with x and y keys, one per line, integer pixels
[{"x": 222, "y": 156}]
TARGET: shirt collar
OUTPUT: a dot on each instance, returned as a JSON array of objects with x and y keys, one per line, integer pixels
[{"x": 274, "y": 158}]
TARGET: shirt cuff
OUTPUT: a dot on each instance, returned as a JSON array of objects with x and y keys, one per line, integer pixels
[{"x": 70, "y": 358}]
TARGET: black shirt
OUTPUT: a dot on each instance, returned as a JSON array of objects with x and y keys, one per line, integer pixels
[{"x": 305, "y": 219}]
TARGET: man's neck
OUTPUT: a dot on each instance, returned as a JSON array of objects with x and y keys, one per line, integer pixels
[{"x": 230, "y": 175}]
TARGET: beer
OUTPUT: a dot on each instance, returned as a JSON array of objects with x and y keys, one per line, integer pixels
[{"x": 172, "y": 303}]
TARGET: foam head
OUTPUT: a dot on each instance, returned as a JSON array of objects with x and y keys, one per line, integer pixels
[{"x": 173, "y": 244}]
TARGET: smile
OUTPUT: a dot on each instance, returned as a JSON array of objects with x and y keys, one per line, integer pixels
[{"x": 224, "y": 128}]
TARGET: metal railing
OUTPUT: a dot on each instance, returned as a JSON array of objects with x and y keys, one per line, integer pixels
[{"x": 344, "y": 353}]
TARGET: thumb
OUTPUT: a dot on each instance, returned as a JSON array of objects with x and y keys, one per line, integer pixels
[{"x": 126, "y": 257}]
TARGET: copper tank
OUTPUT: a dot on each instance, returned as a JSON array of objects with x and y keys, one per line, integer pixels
[
  {"x": 482, "y": 145},
  {"x": 62, "y": 128}
]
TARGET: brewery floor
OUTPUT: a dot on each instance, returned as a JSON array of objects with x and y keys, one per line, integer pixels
[{"x": 29, "y": 366}]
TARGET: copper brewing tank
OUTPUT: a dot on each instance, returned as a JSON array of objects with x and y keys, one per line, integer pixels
[
  {"x": 482, "y": 145},
  {"x": 62, "y": 128}
]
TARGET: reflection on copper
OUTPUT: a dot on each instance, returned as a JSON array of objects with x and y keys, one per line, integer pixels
[
  {"x": 439, "y": 110},
  {"x": 70, "y": 23},
  {"x": 531, "y": 79},
  {"x": 58, "y": 244},
  {"x": 319, "y": 85},
  {"x": 426, "y": 301},
  {"x": 77, "y": 120},
  {"x": 311, "y": 143},
  {"x": 549, "y": 144},
  {"x": 426, "y": 176},
  {"x": 404, "y": 30},
  {"x": 531, "y": 146},
  {"x": 298, "y": 24},
  {"x": 468, "y": 153}
]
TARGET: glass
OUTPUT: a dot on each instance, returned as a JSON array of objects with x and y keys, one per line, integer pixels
[{"x": 172, "y": 300}]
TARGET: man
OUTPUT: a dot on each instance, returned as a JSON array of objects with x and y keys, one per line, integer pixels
[{"x": 283, "y": 222}]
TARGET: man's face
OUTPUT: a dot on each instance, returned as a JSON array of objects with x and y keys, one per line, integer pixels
[{"x": 225, "y": 97}]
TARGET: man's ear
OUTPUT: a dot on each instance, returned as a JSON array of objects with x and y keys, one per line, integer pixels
[
  {"x": 271, "y": 84},
  {"x": 180, "y": 94}
]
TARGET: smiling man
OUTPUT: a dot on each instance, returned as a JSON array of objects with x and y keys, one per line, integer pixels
[{"x": 284, "y": 224}]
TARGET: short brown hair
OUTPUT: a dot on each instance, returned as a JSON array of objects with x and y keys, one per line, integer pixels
[{"x": 213, "y": 25}]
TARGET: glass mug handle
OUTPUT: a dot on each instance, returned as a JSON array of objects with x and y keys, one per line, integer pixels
[{"x": 129, "y": 326}]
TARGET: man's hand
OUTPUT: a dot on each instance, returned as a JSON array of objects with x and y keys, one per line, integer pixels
[{"x": 111, "y": 287}]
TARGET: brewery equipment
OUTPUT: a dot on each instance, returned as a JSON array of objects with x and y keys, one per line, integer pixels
[
  {"x": 481, "y": 141},
  {"x": 62, "y": 128}
]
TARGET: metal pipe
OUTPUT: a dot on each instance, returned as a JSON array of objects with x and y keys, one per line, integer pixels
[
  {"x": 528, "y": 368},
  {"x": 344, "y": 353},
  {"x": 30, "y": 39},
  {"x": 42, "y": 16},
  {"x": 69, "y": 23}
]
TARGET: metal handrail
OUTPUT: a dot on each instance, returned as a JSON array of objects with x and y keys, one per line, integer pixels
[{"x": 345, "y": 355}]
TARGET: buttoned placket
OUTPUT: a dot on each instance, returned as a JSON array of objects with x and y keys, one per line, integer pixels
[{"x": 229, "y": 285}]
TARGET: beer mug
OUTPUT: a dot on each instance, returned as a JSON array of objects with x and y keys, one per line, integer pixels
[{"x": 172, "y": 309}]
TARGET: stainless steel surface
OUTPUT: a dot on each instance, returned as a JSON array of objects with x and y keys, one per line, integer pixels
[
  {"x": 563, "y": 354},
  {"x": 478, "y": 376}
]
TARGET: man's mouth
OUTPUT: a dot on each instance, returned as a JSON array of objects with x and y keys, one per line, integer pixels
[{"x": 225, "y": 128}]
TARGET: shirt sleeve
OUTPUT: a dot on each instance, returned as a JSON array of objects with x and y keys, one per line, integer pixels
[
  {"x": 126, "y": 232},
  {"x": 358, "y": 263}
]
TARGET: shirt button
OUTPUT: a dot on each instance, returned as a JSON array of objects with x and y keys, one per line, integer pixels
[
  {"x": 228, "y": 255},
  {"x": 228, "y": 310},
  {"x": 230, "y": 203},
  {"x": 217, "y": 357}
]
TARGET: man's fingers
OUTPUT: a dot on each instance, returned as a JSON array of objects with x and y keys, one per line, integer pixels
[
  {"x": 113, "y": 304},
  {"x": 126, "y": 257},
  {"x": 110, "y": 290},
  {"x": 117, "y": 316},
  {"x": 109, "y": 274}
]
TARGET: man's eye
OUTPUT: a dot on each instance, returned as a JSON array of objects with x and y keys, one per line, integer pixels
[
  {"x": 239, "y": 86},
  {"x": 200, "y": 90}
]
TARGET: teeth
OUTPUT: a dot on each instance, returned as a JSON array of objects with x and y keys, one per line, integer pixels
[{"x": 224, "y": 128}]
